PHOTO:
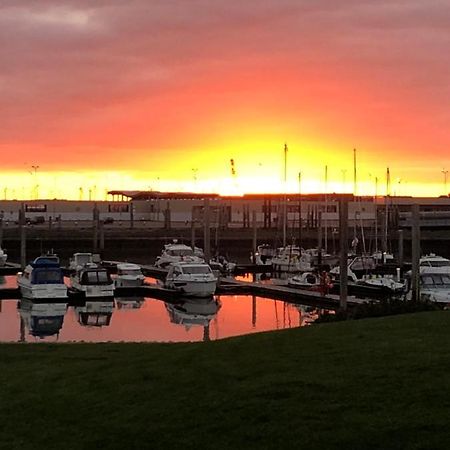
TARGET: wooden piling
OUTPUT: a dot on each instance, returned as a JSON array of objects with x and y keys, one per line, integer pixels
[
  {"x": 95, "y": 229},
  {"x": 23, "y": 237},
  {"x": 255, "y": 231},
  {"x": 23, "y": 246},
  {"x": 167, "y": 217},
  {"x": 131, "y": 215},
  {"x": 343, "y": 254},
  {"x": 415, "y": 251},
  {"x": 206, "y": 230},
  {"x": 192, "y": 229},
  {"x": 102, "y": 235},
  {"x": 319, "y": 239}
]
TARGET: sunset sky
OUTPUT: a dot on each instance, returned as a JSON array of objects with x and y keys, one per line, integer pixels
[{"x": 160, "y": 95}]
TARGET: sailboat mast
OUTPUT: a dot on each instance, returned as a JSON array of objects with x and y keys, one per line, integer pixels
[
  {"x": 376, "y": 214},
  {"x": 285, "y": 199},
  {"x": 386, "y": 211},
  {"x": 300, "y": 210},
  {"x": 326, "y": 210}
]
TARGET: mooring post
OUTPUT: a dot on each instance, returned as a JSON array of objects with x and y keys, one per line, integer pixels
[
  {"x": 102, "y": 235},
  {"x": 131, "y": 215},
  {"x": 343, "y": 255},
  {"x": 319, "y": 240},
  {"x": 255, "y": 231},
  {"x": 415, "y": 252},
  {"x": 95, "y": 229},
  {"x": 23, "y": 237},
  {"x": 192, "y": 229},
  {"x": 206, "y": 230},
  {"x": 1, "y": 229},
  {"x": 167, "y": 217},
  {"x": 400, "y": 248}
]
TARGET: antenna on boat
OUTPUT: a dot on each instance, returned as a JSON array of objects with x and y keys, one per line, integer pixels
[{"x": 354, "y": 171}]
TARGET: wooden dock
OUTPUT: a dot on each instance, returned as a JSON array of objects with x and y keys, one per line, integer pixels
[
  {"x": 286, "y": 293},
  {"x": 227, "y": 286},
  {"x": 9, "y": 269}
]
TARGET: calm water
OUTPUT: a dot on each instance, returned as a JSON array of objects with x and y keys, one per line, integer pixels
[{"x": 146, "y": 319}]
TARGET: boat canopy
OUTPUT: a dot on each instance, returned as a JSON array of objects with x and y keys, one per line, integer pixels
[{"x": 47, "y": 275}]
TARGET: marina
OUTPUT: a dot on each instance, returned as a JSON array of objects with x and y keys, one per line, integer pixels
[{"x": 145, "y": 319}]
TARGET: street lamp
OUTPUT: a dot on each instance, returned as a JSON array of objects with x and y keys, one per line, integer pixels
[
  {"x": 445, "y": 172},
  {"x": 35, "y": 168}
]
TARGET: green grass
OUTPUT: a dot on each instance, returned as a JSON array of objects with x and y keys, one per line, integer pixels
[{"x": 368, "y": 384}]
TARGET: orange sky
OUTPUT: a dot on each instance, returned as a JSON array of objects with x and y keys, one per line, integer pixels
[{"x": 115, "y": 95}]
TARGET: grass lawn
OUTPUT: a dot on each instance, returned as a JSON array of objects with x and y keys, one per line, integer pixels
[{"x": 368, "y": 384}]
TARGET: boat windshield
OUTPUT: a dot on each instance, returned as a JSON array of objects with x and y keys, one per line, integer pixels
[
  {"x": 196, "y": 270},
  {"x": 48, "y": 276},
  {"x": 439, "y": 263},
  {"x": 436, "y": 280},
  {"x": 181, "y": 252},
  {"x": 96, "y": 277}
]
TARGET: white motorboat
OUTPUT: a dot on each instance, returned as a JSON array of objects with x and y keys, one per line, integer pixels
[
  {"x": 129, "y": 275},
  {"x": 264, "y": 254},
  {"x": 175, "y": 252},
  {"x": 43, "y": 278},
  {"x": 93, "y": 281},
  {"x": 192, "y": 279},
  {"x": 191, "y": 313},
  {"x": 3, "y": 257},
  {"x": 386, "y": 282},
  {"x": 291, "y": 259},
  {"x": 429, "y": 264},
  {"x": 42, "y": 319},
  {"x": 95, "y": 313},
  {"x": 305, "y": 280},
  {"x": 82, "y": 259},
  {"x": 435, "y": 286}
]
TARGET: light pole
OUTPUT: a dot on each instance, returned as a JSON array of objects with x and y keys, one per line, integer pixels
[
  {"x": 445, "y": 172},
  {"x": 35, "y": 168}
]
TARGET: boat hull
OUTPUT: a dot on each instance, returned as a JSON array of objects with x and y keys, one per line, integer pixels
[
  {"x": 194, "y": 288},
  {"x": 94, "y": 291},
  {"x": 40, "y": 291}
]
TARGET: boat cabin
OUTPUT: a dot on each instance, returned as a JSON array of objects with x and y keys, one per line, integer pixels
[{"x": 95, "y": 276}]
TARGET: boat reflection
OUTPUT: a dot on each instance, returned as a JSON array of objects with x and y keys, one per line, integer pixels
[
  {"x": 41, "y": 319},
  {"x": 190, "y": 312},
  {"x": 95, "y": 313},
  {"x": 129, "y": 302}
]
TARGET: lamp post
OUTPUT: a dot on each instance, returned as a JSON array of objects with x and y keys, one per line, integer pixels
[
  {"x": 35, "y": 168},
  {"x": 445, "y": 173}
]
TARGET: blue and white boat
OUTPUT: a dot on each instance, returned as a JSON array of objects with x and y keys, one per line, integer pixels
[
  {"x": 42, "y": 279},
  {"x": 42, "y": 320}
]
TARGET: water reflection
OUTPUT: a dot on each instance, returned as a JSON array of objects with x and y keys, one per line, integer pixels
[
  {"x": 138, "y": 319},
  {"x": 95, "y": 313},
  {"x": 129, "y": 302},
  {"x": 198, "y": 312},
  {"x": 42, "y": 320}
]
